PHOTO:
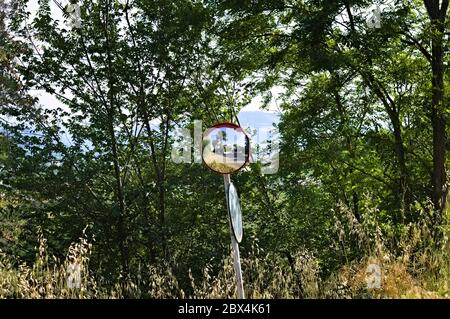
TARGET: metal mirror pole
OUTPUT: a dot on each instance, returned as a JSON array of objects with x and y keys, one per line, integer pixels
[{"x": 235, "y": 246}]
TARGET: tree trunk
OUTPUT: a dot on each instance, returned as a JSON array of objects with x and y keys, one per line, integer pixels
[
  {"x": 160, "y": 179},
  {"x": 437, "y": 15},
  {"x": 404, "y": 189},
  {"x": 393, "y": 111},
  {"x": 120, "y": 194},
  {"x": 122, "y": 209}
]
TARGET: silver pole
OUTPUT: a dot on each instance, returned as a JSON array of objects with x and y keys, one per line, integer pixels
[{"x": 234, "y": 246}]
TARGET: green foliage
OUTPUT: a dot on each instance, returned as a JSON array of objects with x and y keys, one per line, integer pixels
[{"x": 359, "y": 155}]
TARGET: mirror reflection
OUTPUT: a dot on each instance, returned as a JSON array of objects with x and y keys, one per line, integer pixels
[{"x": 225, "y": 148}]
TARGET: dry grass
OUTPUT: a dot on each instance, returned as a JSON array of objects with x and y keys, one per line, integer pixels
[
  {"x": 45, "y": 279},
  {"x": 416, "y": 272},
  {"x": 420, "y": 270}
]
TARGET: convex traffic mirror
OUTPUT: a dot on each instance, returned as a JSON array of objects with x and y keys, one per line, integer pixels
[{"x": 225, "y": 148}]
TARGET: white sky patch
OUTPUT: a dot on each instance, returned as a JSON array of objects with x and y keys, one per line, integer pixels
[
  {"x": 57, "y": 14},
  {"x": 257, "y": 102}
]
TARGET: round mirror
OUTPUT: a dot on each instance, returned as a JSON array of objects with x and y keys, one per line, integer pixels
[
  {"x": 234, "y": 209},
  {"x": 225, "y": 148}
]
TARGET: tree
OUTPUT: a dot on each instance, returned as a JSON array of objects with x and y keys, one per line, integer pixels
[
  {"x": 127, "y": 67},
  {"x": 437, "y": 13},
  {"x": 338, "y": 73}
]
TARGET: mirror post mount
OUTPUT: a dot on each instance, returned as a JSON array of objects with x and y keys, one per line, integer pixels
[{"x": 234, "y": 245}]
